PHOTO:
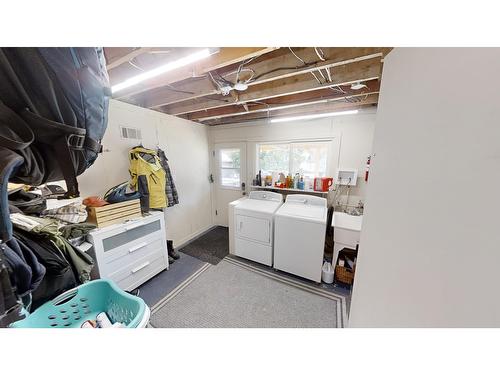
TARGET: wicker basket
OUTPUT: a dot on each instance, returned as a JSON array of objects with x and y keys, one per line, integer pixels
[{"x": 344, "y": 275}]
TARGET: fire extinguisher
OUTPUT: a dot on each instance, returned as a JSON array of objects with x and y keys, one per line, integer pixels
[{"x": 367, "y": 167}]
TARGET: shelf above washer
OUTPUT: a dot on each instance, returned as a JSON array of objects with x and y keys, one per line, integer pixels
[{"x": 308, "y": 191}]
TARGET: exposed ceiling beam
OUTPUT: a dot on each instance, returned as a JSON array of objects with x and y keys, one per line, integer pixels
[
  {"x": 316, "y": 109},
  {"x": 226, "y": 56},
  {"x": 304, "y": 106},
  {"x": 126, "y": 58},
  {"x": 304, "y": 97},
  {"x": 365, "y": 70},
  {"x": 278, "y": 67}
]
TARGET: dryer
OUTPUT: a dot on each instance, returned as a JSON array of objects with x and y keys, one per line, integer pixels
[
  {"x": 254, "y": 226},
  {"x": 299, "y": 236}
]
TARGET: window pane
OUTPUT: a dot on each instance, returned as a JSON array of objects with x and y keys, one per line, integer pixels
[
  {"x": 309, "y": 158},
  {"x": 274, "y": 158},
  {"x": 230, "y": 177},
  {"x": 230, "y": 158}
]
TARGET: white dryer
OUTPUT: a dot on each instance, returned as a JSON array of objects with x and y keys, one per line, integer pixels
[
  {"x": 299, "y": 236},
  {"x": 254, "y": 226}
]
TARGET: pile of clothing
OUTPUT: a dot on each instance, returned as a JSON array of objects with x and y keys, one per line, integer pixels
[{"x": 42, "y": 254}]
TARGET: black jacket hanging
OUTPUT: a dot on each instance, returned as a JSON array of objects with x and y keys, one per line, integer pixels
[{"x": 170, "y": 189}]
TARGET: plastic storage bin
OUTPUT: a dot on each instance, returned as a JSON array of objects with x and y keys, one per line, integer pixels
[{"x": 75, "y": 306}]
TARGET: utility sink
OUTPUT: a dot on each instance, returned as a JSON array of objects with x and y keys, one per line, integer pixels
[
  {"x": 346, "y": 232},
  {"x": 345, "y": 221}
]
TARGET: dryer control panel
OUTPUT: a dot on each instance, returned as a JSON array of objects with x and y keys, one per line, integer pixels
[{"x": 266, "y": 196}]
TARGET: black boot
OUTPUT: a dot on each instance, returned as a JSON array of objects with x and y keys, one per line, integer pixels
[
  {"x": 171, "y": 251},
  {"x": 170, "y": 260}
]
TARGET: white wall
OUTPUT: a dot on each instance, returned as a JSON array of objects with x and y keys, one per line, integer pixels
[
  {"x": 186, "y": 146},
  {"x": 352, "y": 137},
  {"x": 430, "y": 246}
]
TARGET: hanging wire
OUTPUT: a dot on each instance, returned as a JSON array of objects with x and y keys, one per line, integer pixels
[
  {"x": 329, "y": 74},
  {"x": 320, "y": 53},
  {"x": 291, "y": 50},
  {"x": 317, "y": 79},
  {"x": 131, "y": 62},
  {"x": 322, "y": 75},
  {"x": 338, "y": 88}
]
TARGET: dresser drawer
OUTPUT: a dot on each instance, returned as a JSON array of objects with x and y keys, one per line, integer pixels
[
  {"x": 131, "y": 247},
  {"x": 127, "y": 254},
  {"x": 130, "y": 233},
  {"x": 139, "y": 271}
]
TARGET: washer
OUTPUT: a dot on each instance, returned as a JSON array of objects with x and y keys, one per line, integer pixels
[
  {"x": 299, "y": 235},
  {"x": 254, "y": 226}
]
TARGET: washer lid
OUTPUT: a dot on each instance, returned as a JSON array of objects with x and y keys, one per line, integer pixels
[
  {"x": 257, "y": 205},
  {"x": 314, "y": 213},
  {"x": 306, "y": 199}
]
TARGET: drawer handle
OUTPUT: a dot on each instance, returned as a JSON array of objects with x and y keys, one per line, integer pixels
[
  {"x": 241, "y": 225},
  {"x": 137, "y": 269},
  {"x": 135, "y": 248}
]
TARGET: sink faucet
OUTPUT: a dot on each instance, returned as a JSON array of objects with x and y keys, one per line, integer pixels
[{"x": 358, "y": 210}]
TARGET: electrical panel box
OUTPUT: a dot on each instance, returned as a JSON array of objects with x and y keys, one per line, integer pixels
[{"x": 345, "y": 176}]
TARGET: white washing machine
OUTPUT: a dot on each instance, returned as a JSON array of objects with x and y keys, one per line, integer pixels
[
  {"x": 254, "y": 226},
  {"x": 299, "y": 236}
]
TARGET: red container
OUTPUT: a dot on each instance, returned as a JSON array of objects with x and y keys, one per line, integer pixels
[{"x": 323, "y": 183}]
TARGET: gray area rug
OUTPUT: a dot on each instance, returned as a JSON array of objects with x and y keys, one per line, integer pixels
[
  {"x": 155, "y": 289},
  {"x": 235, "y": 295},
  {"x": 212, "y": 247}
]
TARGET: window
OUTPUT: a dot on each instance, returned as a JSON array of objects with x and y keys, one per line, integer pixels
[
  {"x": 306, "y": 158},
  {"x": 230, "y": 167}
]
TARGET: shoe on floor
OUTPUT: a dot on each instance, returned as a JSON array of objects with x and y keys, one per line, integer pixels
[
  {"x": 170, "y": 260},
  {"x": 171, "y": 251}
]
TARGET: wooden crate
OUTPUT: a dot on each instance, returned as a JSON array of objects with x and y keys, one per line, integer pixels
[{"x": 114, "y": 213}]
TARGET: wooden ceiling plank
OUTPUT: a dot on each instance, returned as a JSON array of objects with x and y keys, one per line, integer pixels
[
  {"x": 335, "y": 57},
  {"x": 325, "y": 93},
  {"x": 288, "y": 106},
  {"x": 338, "y": 57},
  {"x": 365, "y": 70},
  {"x": 225, "y": 56},
  {"x": 318, "y": 109},
  {"x": 126, "y": 58}
]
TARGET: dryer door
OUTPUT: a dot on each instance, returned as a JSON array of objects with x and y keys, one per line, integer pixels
[{"x": 253, "y": 228}]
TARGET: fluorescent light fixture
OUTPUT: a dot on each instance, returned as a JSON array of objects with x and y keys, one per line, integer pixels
[
  {"x": 310, "y": 117},
  {"x": 183, "y": 61}
]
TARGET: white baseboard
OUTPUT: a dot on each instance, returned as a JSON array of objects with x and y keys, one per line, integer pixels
[{"x": 193, "y": 236}]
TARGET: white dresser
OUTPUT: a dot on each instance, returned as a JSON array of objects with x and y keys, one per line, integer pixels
[{"x": 133, "y": 252}]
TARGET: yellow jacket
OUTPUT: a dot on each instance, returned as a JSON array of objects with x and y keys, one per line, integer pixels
[{"x": 148, "y": 176}]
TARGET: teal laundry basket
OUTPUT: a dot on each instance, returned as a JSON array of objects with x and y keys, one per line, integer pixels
[{"x": 75, "y": 306}]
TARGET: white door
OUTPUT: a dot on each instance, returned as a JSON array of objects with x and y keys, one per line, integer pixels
[{"x": 229, "y": 176}]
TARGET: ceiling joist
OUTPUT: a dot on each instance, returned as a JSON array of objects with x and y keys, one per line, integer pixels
[
  {"x": 278, "y": 67},
  {"x": 320, "y": 108},
  {"x": 239, "y": 84},
  {"x": 225, "y": 56},
  {"x": 263, "y": 108},
  {"x": 365, "y": 70},
  {"x": 297, "y": 100}
]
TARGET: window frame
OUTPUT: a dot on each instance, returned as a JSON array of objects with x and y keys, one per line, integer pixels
[
  {"x": 329, "y": 141},
  {"x": 220, "y": 168}
]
